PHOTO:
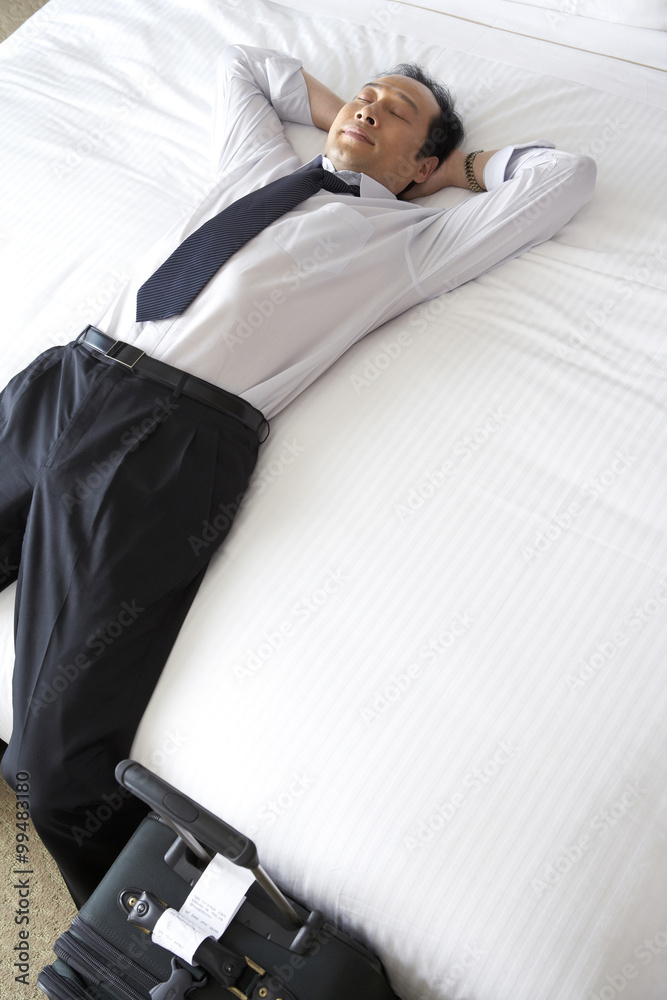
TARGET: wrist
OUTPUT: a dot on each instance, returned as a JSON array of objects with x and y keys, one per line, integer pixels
[
  {"x": 467, "y": 170},
  {"x": 474, "y": 181}
]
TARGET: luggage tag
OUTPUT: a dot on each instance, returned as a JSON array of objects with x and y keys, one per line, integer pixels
[{"x": 207, "y": 911}]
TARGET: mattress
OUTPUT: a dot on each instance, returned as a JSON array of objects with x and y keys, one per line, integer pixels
[{"x": 426, "y": 671}]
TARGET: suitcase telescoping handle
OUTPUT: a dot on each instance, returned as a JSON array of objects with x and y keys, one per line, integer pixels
[
  {"x": 194, "y": 823},
  {"x": 188, "y": 815}
]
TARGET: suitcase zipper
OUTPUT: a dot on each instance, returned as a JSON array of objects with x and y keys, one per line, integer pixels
[
  {"x": 93, "y": 938},
  {"x": 68, "y": 949},
  {"x": 58, "y": 987}
]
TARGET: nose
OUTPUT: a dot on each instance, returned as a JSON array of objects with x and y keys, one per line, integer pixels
[{"x": 365, "y": 115}]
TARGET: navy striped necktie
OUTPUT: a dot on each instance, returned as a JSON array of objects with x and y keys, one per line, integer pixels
[{"x": 177, "y": 282}]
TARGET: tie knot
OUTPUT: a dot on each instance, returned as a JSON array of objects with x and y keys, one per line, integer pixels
[{"x": 332, "y": 182}]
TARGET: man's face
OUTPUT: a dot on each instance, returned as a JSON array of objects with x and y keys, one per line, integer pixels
[{"x": 380, "y": 132}]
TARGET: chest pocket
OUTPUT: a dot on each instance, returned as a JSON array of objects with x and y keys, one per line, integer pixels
[{"x": 327, "y": 239}]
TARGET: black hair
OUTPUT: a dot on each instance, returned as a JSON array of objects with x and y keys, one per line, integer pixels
[{"x": 445, "y": 131}]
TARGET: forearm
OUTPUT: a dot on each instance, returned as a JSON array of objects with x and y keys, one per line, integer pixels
[
  {"x": 456, "y": 175},
  {"x": 451, "y": 173},
  {"x": 324, "y": 104}
]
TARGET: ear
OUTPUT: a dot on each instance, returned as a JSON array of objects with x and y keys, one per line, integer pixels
[{"x": 425, "y": 168}]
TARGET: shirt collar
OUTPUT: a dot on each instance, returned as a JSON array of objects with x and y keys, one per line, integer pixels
[{"x": 368, "y": 187}]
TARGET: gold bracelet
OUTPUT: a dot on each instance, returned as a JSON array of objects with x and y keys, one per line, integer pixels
[{"x": 470, "y": 176}]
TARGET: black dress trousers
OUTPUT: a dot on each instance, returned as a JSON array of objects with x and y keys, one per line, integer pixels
[{"x": 114, "y": 494}]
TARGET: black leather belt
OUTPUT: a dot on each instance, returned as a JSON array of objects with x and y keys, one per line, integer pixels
[{"x": 195, "y": 388}]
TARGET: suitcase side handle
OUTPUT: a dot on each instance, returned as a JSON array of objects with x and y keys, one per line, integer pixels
[{"x": 192, "y": 822}]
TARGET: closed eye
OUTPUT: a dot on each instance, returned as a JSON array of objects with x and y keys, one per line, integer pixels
[{"x": 367, "y": 100}]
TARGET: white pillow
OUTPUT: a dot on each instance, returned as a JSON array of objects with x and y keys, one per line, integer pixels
[{"x": 639, "y": 13}]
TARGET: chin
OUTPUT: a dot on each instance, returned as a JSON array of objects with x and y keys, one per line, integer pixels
[{"x": 345, "y": 162}]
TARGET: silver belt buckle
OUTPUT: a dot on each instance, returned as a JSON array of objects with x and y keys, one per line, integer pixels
[{"x": 121, "y": 347}]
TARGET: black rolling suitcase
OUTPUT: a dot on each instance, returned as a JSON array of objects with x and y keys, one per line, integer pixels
[{"x": 273, "y": 949}]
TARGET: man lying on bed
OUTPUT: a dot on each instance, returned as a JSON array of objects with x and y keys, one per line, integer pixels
[{"x": 121, "y": 476}]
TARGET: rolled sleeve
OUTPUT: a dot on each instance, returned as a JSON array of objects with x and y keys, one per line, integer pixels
[
  {"x": 569, "y": 170},
  {"x": 546, "y": 187},
  {"x": 256, "y": 91},
  {"x": 496, "y": 171},
  {"x": 533, "y": 190}
]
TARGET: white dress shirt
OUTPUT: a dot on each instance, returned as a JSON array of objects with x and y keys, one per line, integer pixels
[{"x": 293, "y": 299}]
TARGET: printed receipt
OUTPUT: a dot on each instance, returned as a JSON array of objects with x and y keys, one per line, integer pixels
[{"x": 207, "y": 911}]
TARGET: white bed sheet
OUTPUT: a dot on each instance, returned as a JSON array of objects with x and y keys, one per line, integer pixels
[{"x": 426, "y": 672}]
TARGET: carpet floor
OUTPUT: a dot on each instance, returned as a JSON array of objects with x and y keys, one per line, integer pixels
[
  {"x": 49, "y": 906},
  {"x": 32, "y": 890},
  {"x": 14, "y": 12}
]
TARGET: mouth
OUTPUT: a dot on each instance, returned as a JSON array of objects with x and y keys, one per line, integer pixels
[{"x": 354, "y": 132}]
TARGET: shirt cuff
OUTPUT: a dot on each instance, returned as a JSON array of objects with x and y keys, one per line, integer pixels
[
  {"x": 499, "y": 168},
  {"x": 288, "y": 83}
]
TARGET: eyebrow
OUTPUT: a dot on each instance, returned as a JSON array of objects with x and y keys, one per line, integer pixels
[{"x": 399, "y": 93}]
